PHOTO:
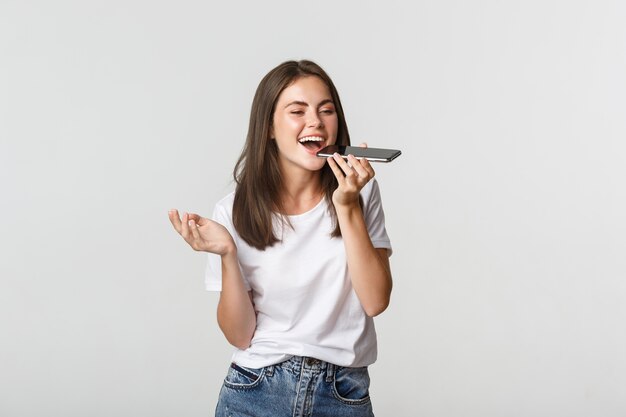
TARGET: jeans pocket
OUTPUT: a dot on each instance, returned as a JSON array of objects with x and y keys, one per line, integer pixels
[
  {"x": 351, "y": 385},
  {"x": 240, "y": 377}
]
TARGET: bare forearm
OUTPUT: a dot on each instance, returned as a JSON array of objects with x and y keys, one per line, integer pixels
[
  {"x": 235, "y": 312},
  {"x": 369, "y": 271}
]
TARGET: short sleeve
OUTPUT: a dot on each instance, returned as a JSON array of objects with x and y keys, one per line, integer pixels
[
  {"x": 375, "y": 216},
  {"x": 213, "y": 275}
]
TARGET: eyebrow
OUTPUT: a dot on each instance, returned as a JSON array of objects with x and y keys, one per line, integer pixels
[{"x": 304, "y": 103}]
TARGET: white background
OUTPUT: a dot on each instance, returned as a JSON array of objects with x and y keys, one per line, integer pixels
[{"x": 506, "y": 209}]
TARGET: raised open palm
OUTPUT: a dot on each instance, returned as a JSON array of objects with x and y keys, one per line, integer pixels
[{"x": 202, "y": 234}]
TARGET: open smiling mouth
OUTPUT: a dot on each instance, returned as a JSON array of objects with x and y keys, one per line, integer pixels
[{"x": 312, "y": 143}]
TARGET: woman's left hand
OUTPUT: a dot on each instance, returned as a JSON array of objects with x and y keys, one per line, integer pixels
[{"x": 352, "y": 176}]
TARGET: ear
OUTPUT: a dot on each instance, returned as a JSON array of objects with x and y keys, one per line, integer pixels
[{"x": 272, "y": 136}]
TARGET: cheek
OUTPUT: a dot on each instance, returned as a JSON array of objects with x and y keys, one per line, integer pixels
[
  {"x": 286, "y": 125},
  {"x": 332, "y": 125}
]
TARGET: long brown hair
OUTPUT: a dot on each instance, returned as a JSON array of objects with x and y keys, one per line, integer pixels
[{"x": 257, "y": 173}]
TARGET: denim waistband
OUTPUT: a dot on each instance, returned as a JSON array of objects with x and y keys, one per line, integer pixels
[{"x": 298, "y": 363}]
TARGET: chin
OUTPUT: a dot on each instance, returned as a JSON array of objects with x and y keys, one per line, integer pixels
[{"x": 315, "y": 165}]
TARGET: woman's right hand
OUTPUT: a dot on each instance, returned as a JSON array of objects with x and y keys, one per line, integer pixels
[{"x": 202, "y": 234}]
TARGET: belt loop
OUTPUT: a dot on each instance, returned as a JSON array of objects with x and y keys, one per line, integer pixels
[
  {"x": 269, "y": 370},
  {"x": 330, "y": 372}
]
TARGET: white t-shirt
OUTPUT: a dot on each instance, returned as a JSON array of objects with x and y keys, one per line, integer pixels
[{"x": 303, "y": 297}]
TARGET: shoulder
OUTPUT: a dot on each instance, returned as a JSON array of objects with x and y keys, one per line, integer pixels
[
  {"x": 226, "y": 201},
  {"x": 224, "y": 207}
]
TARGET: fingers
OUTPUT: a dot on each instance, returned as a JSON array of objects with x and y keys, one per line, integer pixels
[
  {"x": 194, "y": 230},
  {"x": 174, "y": 219},
  {"x": 193, "y": 216},
  {"x": 345, "y": 171},
  {"x": 335, "y": 168},
  {"x": 368, "y": 167},
  {"x": 200, "y": 221},
  {"x": 357, "y": 166},
  {"x": 353, "y": 167},
  {"x": 184, "y": 226},
  {"x": 188, "y": 227}
]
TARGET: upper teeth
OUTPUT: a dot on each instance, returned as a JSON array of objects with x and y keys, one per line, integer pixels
[{"x": 311, "y": 139}]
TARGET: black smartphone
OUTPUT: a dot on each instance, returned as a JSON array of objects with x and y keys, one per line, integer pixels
[{"x": 371, "y": 154}]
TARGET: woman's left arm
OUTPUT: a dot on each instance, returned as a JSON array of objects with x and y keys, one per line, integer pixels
[{"x": 368, "y": 266}]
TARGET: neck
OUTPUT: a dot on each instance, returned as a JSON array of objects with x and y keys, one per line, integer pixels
[{"x": 301, "y": 193}]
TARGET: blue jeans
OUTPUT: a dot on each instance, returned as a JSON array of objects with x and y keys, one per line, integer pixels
[{"x": 299, "y": 386}]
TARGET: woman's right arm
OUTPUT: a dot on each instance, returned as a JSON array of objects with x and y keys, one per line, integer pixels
[{"x": 235, "y": 311}]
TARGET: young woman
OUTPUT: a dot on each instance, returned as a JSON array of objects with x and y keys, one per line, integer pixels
[{"x": 300, "y": 255}]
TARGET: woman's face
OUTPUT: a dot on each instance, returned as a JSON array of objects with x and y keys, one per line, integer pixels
[{"x": 304, "y": 122}]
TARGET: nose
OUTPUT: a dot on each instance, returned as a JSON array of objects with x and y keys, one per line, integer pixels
[{"x": 314, "y": 121}]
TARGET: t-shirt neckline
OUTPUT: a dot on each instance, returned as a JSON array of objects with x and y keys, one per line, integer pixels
[{"x": 307, "y": 213}]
